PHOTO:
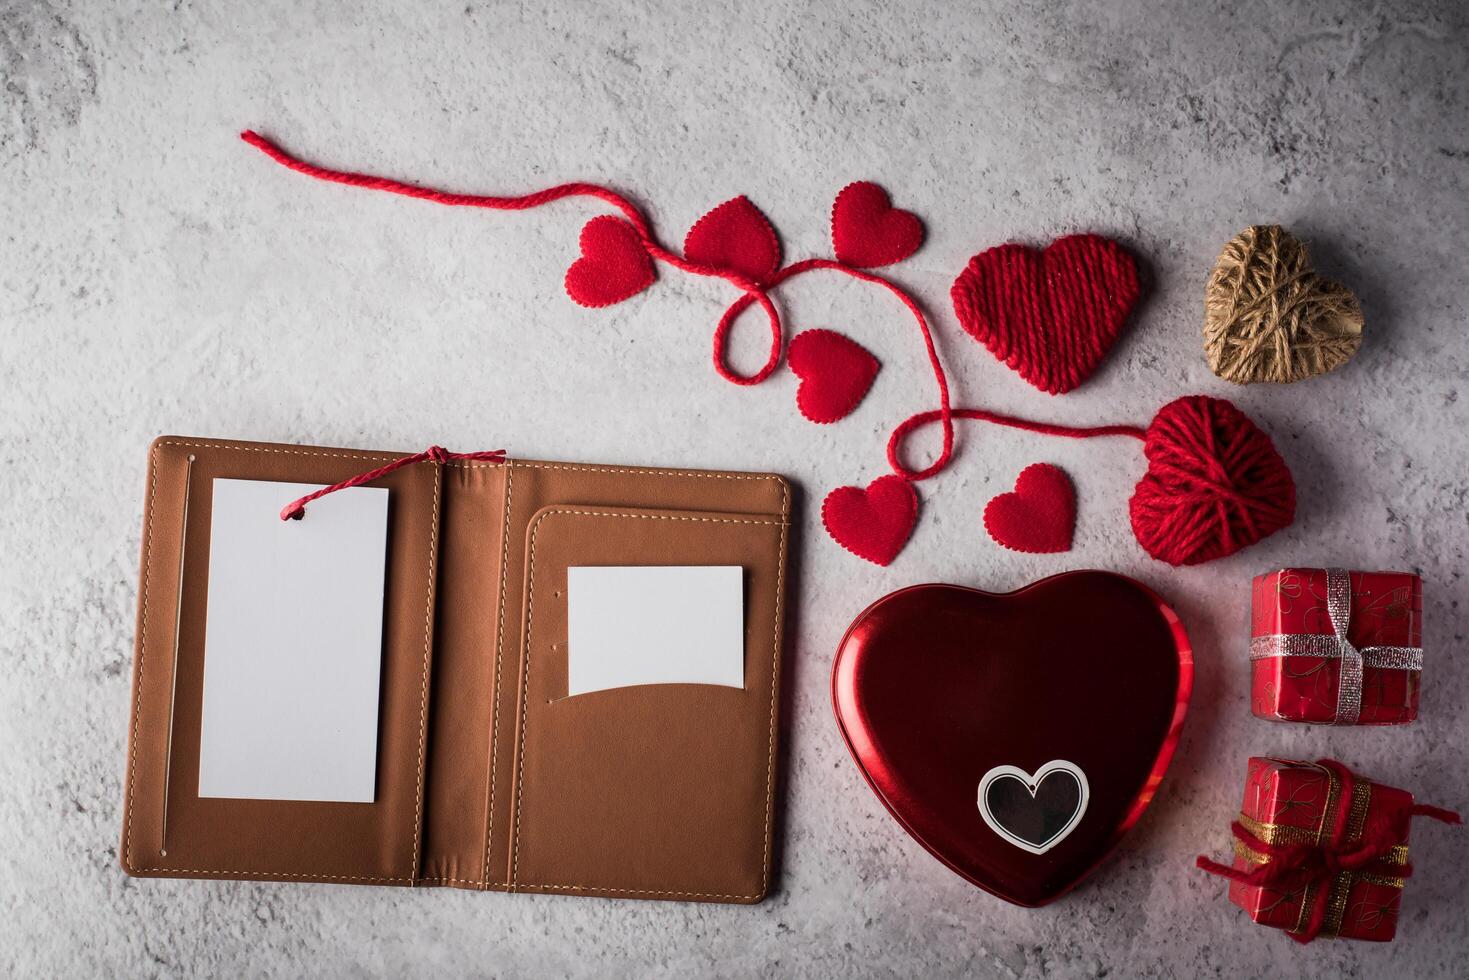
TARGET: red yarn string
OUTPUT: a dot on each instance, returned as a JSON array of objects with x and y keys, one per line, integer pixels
[
  {"x": 1214, "y": 483},
  {"x": 943, "y": 413},
  {"x": 1294, "y": 866},
  {"x": 296, "y": 509},
  {"x": 1435, "y": 813},
  {"x": 374, "y": 183},
  {"x": 752, "y": 291},
  {"x": 521, "y": 202},
  {"x": 721, "y": 337},
  {"x": 915, "y": 422}
]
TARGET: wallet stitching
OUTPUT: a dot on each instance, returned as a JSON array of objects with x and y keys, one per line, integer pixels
[
  {"x": 444, "y": 879},
  {"x": 428, "y": 621},
  {"x": 499, "y": 659},
  {"x": 525, "y": 686},
  {"x": 127, "y": 850},
  {"x": 334, "y": 455},
  {"x": 309, "y": 875},
  {"x": 627, "y": 891},
  {"x": 774, "y": 679},
  {"x": 641, "y": 472},
  {"x": 634, "y": 891},
  {"x": 463, "y": 464}
]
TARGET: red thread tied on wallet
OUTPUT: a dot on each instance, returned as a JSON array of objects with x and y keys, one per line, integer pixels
[{"x": 296, "y": 509}]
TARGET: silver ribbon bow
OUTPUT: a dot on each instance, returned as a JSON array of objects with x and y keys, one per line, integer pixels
[{"x": 1336, "y": 645}]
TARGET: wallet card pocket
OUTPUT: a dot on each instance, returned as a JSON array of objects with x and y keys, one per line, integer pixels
[{"x": 659, "y": 790}]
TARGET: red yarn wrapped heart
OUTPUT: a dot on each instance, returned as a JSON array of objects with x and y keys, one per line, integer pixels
[
  {"x": 1215, "y": 483},
  {"x": 1051, "y": 314}
]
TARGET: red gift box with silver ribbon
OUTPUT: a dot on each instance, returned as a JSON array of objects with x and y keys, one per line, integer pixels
[{"x": 1336, "y": 647}]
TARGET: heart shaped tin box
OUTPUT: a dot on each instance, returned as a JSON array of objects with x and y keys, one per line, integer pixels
[{"x": 1016, "y": 736}]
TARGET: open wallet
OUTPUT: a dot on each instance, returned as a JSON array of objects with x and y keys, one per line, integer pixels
[{"x": 488, "y": 774}]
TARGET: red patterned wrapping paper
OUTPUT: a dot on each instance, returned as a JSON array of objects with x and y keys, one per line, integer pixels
[
  {"x": 1385, "y": 620},
  {"x": 1295, "y": 802}
]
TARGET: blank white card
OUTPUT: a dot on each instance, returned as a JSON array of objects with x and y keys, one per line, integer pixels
[
  {"x": 293, "y": 644},
  {"x": 657, "y": 624}
]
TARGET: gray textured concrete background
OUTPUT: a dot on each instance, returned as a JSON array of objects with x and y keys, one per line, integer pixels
[{"x": 158, "y": 276}]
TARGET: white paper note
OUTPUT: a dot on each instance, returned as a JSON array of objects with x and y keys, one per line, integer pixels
[
  {"x": 660, "y": 624},
  {"x": 293, "y": 644}
]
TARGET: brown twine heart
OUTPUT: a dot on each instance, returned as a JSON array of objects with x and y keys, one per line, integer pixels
[{"x": 1269, "y": 317}]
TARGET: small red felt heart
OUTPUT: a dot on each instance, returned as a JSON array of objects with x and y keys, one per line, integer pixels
[
  {"x": 614, "y": 265},
  {"x": 867, "y": 231},
  {"x": 735, "y": 236},
  {"x": 1039, "y": 516},
  {"x": 1053, "y": 314},
  {"x": 873, "y": 523},
  {"x": 835, "y": 373}
]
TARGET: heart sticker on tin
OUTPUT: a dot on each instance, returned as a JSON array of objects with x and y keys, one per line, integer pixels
[
  {"x": 946, "y": 694},
  {"x": 1034, "y": 811}
]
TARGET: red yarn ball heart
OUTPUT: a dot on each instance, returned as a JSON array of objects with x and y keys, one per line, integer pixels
[
  {"x": 614, "y": 264},
  {"x": 1215, "y": 483}
]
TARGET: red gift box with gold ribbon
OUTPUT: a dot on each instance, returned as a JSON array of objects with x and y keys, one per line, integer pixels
[
  {"x": 1320, "y": 851},
  {"x": 1336, "y": 647}
]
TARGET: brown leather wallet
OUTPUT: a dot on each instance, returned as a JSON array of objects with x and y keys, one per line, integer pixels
[{"x": 488, "y": 776}]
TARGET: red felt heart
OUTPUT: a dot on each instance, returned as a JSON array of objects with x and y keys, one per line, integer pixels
[
  {"x": 613, "y": 266},
  {"x": 735, "y": 236},
  {"x": 1017, "y": 737},
  {"x": 873, "y": 523},
  {"x": 835, "y": 373},
  {"x": 867, "y": 231},
  {"x": 1052, "y": 314},
  {"x": 1039, "y": 516}
]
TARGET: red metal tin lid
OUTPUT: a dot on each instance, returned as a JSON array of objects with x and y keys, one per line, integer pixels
[{"x": 1016, "y": 736}]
